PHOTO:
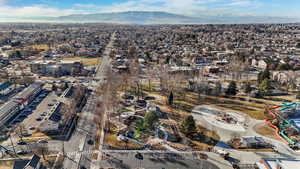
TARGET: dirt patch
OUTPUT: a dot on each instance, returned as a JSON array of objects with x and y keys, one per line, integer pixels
[{"x": 266, "y": 131}]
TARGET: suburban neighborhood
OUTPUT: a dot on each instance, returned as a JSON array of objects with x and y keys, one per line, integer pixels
[{"x": 91, "y": 96}]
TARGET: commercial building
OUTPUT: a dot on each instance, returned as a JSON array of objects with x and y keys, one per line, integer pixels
[
  {"x": 8, "y": 110},
  {"x": 57, "y": 68},
  {"x": 278, "y": 163},
  {"x": 28, "y": 94},
  {"x": 13, "y": 106}
]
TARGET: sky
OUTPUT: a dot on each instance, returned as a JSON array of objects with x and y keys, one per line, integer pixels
[{"x": 36, "y": 8}]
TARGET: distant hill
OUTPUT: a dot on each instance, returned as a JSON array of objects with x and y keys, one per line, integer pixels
[
  {"x": 151, "y": 17},
  {"x": 132, "y": 17}
]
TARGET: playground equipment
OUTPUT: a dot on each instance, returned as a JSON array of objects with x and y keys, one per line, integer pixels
[{"x": 284, "y": 124}]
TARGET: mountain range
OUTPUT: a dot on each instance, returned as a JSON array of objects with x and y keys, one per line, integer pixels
[{"x": 153, "y": 17}]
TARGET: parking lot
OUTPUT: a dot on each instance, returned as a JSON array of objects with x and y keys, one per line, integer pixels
[
  {"x": 38, "y": 111},
  {"x": 30, "y": 119},
  {"x": 33, "y": 114}
]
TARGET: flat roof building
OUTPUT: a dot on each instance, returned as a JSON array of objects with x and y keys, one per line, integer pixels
[
  {"x": 278, "y": 163},
  {"x": 7, "y": 111},
  {"x": 28, "y": 94}
]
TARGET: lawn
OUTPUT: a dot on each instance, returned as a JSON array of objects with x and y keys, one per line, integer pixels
[
  {"x": 36, "y": 136},
  {"x": 39, "y": 47},
  {"x": 111, "y": 140},
  {"x": 253, "y": 108},
  {"x": 266, "y": 131},
  {"x": 85, "y": 61}
]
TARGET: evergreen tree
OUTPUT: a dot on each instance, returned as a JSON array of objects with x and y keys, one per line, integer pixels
[
  {"x": 284, "y": 66},
  {"x": 263, "y": 75},
  {"x": 171, "y": 99},
  {"x": 265, "y": 86},
  {"x": 188, "y": 125},
  {"x": 149, "y": 120},
  {"x": 231, "y": 90}
]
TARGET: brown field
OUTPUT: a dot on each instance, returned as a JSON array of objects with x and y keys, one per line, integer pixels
[
  {"x": 86, "y": 61},
  {"x": 111, "y": 140},
  {"x": 266, "y": 131},
  {"x": 6, "y": 164}
]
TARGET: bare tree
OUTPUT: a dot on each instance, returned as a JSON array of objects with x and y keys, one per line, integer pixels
[
  {"x": 236, "y": 67},
  {"x": 19, "y": 131},
  {"x": 42, "y": 149}
]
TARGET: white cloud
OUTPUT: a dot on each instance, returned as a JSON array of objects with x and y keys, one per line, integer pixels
[
  {"x": 245, "y": 3},
  {"x": 36, "y": 10},
  {"x": 187, "y": 7}
]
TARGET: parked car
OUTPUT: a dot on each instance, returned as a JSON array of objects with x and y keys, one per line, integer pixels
[
  {"x": 23, "y": 116},
  {"x": 17, "y": 121},
  {"x": 39, "y": 119}
]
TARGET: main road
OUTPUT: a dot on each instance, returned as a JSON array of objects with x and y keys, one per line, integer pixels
[{"x": 84, "y": 136}]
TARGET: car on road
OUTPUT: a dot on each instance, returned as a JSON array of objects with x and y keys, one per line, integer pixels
[
  {"x": 42, "y": 141},
  {"x": 22, "y": 152},
  {"x": 222, "y": 153},
  {"x": 121, "y": 138},
  {"x": 31, "y": 128},
  {"x": 150, "y": 98},
  {"x": 22, "y": 143},
  {"x": 42, "y": 95},
  {"x": 32, "y": 107},
  {"x": 26, "y": 134},
  {"x": 27, "y": 112},
  {"x": 28, "y": 109},
  {"x": 36, "y": 101}
]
